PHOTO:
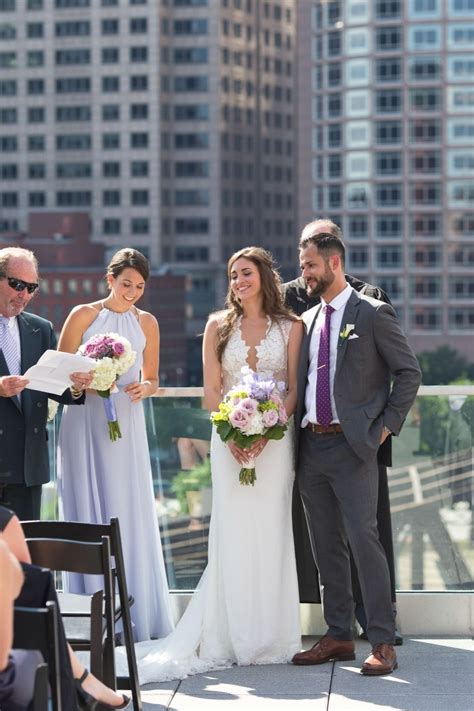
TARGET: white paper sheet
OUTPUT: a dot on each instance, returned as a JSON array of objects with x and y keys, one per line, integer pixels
[{"x": 51, "y": 373}]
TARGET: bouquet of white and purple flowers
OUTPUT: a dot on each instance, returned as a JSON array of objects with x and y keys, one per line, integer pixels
[
  {"x": 251, "y": 410},
  {"x": 115, "y": 356}
]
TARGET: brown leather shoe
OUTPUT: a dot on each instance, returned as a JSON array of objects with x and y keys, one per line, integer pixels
[
  {"x": 327, "y": 650},
  {"x": 382, "y": 660}
]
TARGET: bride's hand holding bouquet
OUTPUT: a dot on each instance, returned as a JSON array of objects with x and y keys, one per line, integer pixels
[{"x": 251, "y": 411}]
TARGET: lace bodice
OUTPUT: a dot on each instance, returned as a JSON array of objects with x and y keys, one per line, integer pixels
[{"x": 271, "y": 353}]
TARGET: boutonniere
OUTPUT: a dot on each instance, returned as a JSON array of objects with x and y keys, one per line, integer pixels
[{"x": 346, "y": 332}]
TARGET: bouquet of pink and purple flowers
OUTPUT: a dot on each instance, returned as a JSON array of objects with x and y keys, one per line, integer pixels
[
  {"x": 115, "y": 356},
  {"x": 251, "y": 410}
]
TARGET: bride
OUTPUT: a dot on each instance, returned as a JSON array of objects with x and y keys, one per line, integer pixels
[{"x": 246, "y": 608}]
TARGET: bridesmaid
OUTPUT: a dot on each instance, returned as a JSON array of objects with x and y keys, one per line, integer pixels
[{"x": 98, "y": 478}]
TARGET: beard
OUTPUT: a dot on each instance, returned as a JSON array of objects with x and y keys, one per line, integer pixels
[{"x": 318, "y": 286}]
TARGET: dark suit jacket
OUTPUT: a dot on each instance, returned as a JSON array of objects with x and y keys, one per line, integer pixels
[{"x": 23, "y": 435}]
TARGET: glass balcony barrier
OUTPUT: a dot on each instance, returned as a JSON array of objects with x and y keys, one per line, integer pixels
[{"x": 431, "y": 487}]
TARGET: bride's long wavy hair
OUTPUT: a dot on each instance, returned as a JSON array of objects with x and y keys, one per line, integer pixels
[{"x": 272, "y": 299}]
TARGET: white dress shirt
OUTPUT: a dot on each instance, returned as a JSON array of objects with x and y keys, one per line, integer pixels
[
  {"x": 339, "y": 305},
  {"x": 15, "y": 332}
]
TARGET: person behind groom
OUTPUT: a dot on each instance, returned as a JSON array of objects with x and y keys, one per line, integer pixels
[
  {"x": 24, "y": 337},
  {"x": 346, "y": 408}
]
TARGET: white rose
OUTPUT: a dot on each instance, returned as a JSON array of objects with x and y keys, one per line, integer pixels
[{"x": 255, "y": 424}]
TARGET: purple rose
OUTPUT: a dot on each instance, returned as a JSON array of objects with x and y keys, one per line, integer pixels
[
  {"x": 270, "y": 418},
  {"x": 248, "y": 405},
  {"x": 118, "y": 349},
  {"x": 238, "y": 418}
]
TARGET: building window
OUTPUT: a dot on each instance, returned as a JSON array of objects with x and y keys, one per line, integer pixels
[
  {"x": 139, "y": 169},
  {"x": 389, "y": 227},
  {"x": 36, "y": 143},
  {"x": 359, "y": 258},
  {"x": 36, "y": 171},
  {"x": 388, "y": 9},
  {"x": 110, "y": 141},
  {"x": 73, "y": 85},
  {"x": 111, "y": 169},
  {"x": 389, "y": 257},
  {"x": 425, "y": 131},
  {"x": 424, "y": 68},
  {"x": 389, "y": 163},
  {"x": 191, "y": 55},
  {"x": 388, "y": 39},
  {"x": 389, "y": 101},
  {"x": 424, "y": 37},
  {"x": 138, "y": 25},
  {"x": 426, "y": 226},
  {"x": 8, "y": 116},
  {"x": 139, "y": 82},
  {"x": 138, "y": 112},
  {"x": 110, "y": 55},
  {"x": 425, "y": 319},
  {"x": 34, "y": 87},
  {"x": 73, "y": 170},
  {"x": 76, "y": 28},
  {"x": 190, "y": 83},
  {"x": 36, "y": 199},
  {"x": 426, "y": 162},
  {"x": 190, "y": 27},
  {"x": 73, "y": 198},
  {"x": 35, "y": 58},
  {"x": 138, "y": 54},
  {"x": 110, "y": 84},
  {"x": 428, "y": 256},
  {"x": 461, "y": 287},
  {"x": 111, "y": 112},
  {"x": 389, "y": 195},
  {"x": 73, "y": 113},
  {"x": 388, "y": 70},
  {"x": 139, "y": 197},
  {"x": 111, "y": 226},
  {"x": 111, "y": 198},
  {"x": 73, "y": 56},
  {"x": 110, "y": 26},
  {"x": 139, "y": 140},
  {"x": 358, "y": 227},
  {"x": 425, "y": 99},
  {"x": 388, "y": 132},
  {"x": 8, "y": 144},
  {"x": 73, "y": 142},
  {"x": 140, "y": 226}
]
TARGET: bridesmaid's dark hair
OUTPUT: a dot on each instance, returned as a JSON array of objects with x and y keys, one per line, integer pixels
[
  {"x": 128, "y": 258},
  {"x": 272, "y": 302}
]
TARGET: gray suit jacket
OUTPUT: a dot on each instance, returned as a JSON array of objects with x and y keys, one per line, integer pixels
[{"x": 365, "y": 398}]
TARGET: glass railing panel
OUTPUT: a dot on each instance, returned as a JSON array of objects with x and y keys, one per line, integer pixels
[
  {"x": 431, "y": 495},
  {"x": 431, "y": 488}
]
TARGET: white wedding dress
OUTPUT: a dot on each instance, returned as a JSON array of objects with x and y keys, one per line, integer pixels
[{"x": 245, "y": 609}]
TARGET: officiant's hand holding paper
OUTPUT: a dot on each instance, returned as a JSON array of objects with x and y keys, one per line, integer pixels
[{"x": 56, "y": 371}]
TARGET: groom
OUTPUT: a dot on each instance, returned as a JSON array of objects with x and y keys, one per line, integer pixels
[{"x": 346, "y": 408}]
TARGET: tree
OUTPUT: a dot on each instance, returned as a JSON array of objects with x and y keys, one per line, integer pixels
[{"x": 444, "y": 365}]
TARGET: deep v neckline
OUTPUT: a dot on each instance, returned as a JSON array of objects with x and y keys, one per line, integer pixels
[{"x": 257, "y": 346}]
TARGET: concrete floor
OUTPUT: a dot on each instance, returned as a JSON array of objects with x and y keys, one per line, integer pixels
[{"x": 433, "y": 675}]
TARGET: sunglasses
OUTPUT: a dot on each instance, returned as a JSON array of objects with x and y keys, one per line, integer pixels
[{"x": 20, "y": 285}]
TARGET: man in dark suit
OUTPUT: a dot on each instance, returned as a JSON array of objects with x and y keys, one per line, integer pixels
[
  {"x": 299, "y": 299},
  {"x": 24, "y": 462},
  {"x": 347, "y": 407}
]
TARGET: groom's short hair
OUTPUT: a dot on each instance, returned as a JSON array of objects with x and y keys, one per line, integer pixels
[{"x": 327, "y": 242}]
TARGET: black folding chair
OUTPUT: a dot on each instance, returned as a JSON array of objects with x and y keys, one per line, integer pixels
[
  {"x": 88, "y": 559},
  {"x": 37, "y": 628},
  {"x": 93, "y": 532}
]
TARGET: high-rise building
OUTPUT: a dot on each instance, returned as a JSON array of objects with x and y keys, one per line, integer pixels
[
  {"x": 386, "y": 149},
  {"x": 171, "y": 123}
]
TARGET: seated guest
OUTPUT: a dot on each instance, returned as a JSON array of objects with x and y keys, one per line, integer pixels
[{"x": 80, "y": 689}]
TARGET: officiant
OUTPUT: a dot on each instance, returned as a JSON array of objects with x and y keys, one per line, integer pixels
[{"x": 24, "y": 337}]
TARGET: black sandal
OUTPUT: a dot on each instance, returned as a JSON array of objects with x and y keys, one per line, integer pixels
[{"x": 88, "y": 703}]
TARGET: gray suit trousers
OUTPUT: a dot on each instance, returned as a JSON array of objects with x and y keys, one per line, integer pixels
[{"x": 339, "y": 493}]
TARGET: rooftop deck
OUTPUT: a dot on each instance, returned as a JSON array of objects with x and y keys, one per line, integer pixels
[{"x": 434, "y": 675}]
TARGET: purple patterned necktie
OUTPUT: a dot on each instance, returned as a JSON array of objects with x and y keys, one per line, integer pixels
[{"x": 323, "y": 392}]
